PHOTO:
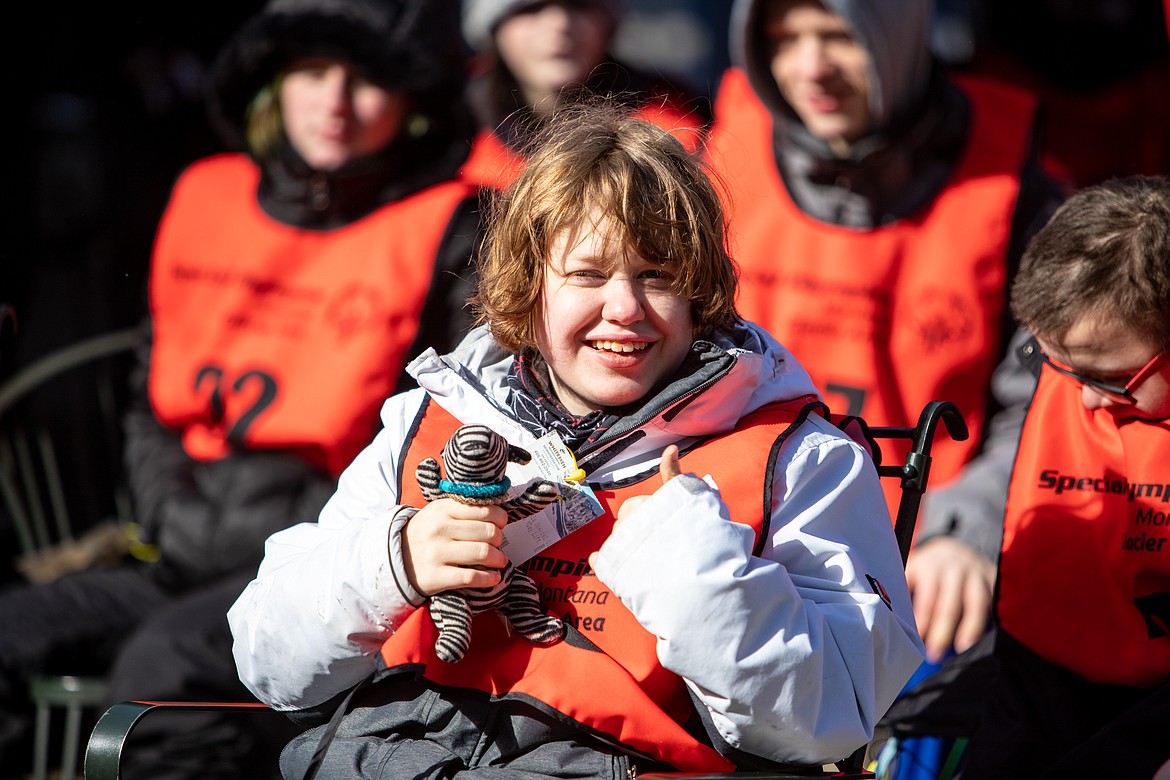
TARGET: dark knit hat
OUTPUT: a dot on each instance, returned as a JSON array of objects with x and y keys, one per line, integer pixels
[
  {"x": 482, "y": 17},
  {"x": 408, "y": 45}
]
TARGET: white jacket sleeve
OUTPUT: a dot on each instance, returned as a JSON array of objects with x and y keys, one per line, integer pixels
[
  {"x": 326, "y": 596},
  {"x": 796, "y": 654}
]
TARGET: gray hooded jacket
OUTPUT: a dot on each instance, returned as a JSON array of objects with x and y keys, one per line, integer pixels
[{"x": 920, "y": 123}]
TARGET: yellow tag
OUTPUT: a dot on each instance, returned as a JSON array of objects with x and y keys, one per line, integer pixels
[
  {"x": 576, "y": 505},
  {"x": 555, "y": 461}
]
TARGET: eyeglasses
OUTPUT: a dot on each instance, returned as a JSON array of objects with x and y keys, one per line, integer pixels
[{"x": 1118, "y": 393}]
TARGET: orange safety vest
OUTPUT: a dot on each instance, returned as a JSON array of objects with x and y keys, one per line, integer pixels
[
  {"x": 1084, "y": 574},
  {"x": 889, "y": 319},
  {"x": 492, "y": 164},
  {"x": 629, "y": 695},
  {"x": 267, "y": 335}
]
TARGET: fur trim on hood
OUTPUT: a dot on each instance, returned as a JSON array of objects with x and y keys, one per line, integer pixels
[{"x": 409, "y": 45}]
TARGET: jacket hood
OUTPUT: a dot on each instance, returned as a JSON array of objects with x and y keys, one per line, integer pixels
[
  {"x": 732, "y": 376},
  {"x": 408, "y": 45},
  {"x": 896, "y": 33}
]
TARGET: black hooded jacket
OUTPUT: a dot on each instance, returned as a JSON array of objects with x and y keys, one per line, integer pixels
[{"x": 210, "y": 519}]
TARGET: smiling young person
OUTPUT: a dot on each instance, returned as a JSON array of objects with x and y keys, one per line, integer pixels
[
  {"x": 733, "y": 619},
  {"x": 1083, "y": 604}
]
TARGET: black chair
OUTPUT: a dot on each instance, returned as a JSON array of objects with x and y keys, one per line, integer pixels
[
  {"x": 61, "y": 493},
  {"x": 103, "y": 756}
]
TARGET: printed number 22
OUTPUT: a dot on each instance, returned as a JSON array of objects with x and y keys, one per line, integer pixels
[{"x": 213, "y": 376}]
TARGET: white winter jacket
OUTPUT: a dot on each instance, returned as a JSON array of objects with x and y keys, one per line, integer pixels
[{"x": 794, "y": 653}]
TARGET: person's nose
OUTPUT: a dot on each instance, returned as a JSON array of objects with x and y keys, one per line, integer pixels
[
  {"x": 1094, "y": 400},
  {"x": 623, "y": 302},
  {"x": 338, "y": 89},
  {"x": 812, "y": 60}
]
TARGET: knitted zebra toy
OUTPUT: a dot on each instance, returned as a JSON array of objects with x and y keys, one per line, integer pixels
[{"x": 476, "y": 458}]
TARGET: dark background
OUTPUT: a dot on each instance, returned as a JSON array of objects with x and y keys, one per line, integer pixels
[{"x": 104, "y": 108}]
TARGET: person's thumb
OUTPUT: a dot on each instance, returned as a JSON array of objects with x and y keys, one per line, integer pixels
[{"x": 668, "y": 466}]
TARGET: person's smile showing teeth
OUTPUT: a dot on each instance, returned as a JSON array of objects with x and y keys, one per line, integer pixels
[{"x": 619, "y": 346}]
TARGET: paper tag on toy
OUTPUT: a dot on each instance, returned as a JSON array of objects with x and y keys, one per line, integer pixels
[{"x": 577, "y": 504}]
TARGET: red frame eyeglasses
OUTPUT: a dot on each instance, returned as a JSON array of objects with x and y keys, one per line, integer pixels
[{"x": 1120, "y": 394}]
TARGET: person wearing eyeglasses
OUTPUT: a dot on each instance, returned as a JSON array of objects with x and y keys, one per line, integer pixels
[{"x": 1083, "y": 605}]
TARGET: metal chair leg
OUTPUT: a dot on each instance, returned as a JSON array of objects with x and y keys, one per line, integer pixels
[
  {"x": 41, "y": 743},
  {"x": 71, "y": 742}
]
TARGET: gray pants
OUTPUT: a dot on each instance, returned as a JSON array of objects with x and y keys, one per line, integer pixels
[{"x": 415, "y": 732}]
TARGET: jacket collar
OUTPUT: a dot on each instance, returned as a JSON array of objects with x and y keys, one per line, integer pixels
[
  {"x": 887, "y": 176},
  {"x": 723, "y": 380},
  {"x": 292, "y": 192}
]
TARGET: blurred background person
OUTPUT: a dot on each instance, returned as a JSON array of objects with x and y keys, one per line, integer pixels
[
  {"x": 1083, "y": 599},
  {"x": 534, "y": 55},
  {"x": 879, "y": 207},
  {"x": 289, "y": 285}
]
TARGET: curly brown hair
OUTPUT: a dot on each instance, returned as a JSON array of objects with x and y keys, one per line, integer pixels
[{"x": 597, "y": 159}]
